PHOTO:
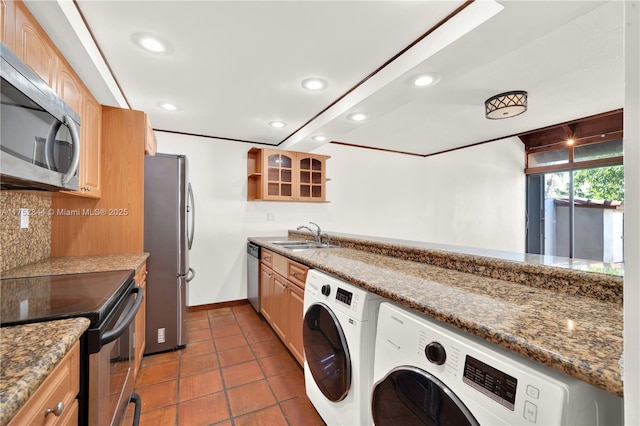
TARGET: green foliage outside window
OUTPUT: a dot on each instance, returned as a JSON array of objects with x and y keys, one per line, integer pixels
[{"x": 602, "y": 183}]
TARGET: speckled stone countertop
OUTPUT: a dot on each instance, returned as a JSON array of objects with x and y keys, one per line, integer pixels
[
  {"x": 78, "y": 265},
  {"x": 565, "y": 318},
  {"x": 29, "y": 353}
]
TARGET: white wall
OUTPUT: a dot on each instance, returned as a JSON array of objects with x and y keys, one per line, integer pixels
[
  {"x": 473, "y": 197},
  {"x": 632, "y": 214}
]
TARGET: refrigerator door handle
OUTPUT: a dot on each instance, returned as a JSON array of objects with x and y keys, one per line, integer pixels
[
  {"x": 191, "y": 275},
  {"x": 191, "y": 207}
]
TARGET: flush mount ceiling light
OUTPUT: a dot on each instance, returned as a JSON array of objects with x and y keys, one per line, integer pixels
[
  {"x": 319, "y": 138},
  {"x": 425, "y": 80},
  {"x": 314, "y": 84},
  {"x": 277, "y": 124},
  {"x": 358, "y": 116},
  {"x": 168, "y": 106},
  {"x": 506, "y": 105},
  {"x": 152, "y": 44}
]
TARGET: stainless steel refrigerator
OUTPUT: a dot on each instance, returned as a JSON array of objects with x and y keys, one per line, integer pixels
[{"x": 169, "y": 217}]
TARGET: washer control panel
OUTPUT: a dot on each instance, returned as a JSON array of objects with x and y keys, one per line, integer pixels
[
  {"x": 344, "y": 296},
  {"x": 490, "y": 381}
]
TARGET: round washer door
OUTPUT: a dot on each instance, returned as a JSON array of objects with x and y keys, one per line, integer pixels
[
  {"x": 411, "y": 396},
  {"x": 326, "y": 352}
]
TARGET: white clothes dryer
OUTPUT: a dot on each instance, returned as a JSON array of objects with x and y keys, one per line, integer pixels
[
  {"x": 338, "y": 334},
  {"x": 429, "y": 373}
]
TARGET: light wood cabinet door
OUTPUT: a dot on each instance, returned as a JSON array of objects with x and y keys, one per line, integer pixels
[
  {"x": 8, "y": 23},
  {"x": 279, "y": 314},
  {"x": 69, "y": 88},
  {"x": 311, "y": 177},
  {"x": 34, "y": 47},
  {"x": 91, "y": 142},
  {"x": 279, "y": 183},
  {"x": 266, "y": 291},
  {"x": 295, "y": 311}
]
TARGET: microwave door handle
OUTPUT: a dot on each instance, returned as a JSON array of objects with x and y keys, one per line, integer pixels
[
  {"x": 75, "y": 160},
  {"x": 112, "y": 335},
  {"x": 49, "y": 158}
]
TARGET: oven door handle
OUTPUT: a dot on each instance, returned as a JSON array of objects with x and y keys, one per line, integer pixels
[{"x": 112, "y": 335}]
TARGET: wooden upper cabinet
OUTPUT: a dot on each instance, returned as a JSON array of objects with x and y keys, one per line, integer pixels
[
  {"x": 34, "y": 47},
  {"x": 280, "y": 175},
  {"x": 311, "y": 177},
  {"x": 91, "y": 145},
  {"x": 8, "y": 23},
  {"x": 69, "y": 88},
  {"x": 276, "y": 175}
]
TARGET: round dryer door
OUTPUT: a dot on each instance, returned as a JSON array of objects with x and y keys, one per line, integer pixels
[
  {"x": 326, "y": 352},
  {"x": 411, "y": 396}
]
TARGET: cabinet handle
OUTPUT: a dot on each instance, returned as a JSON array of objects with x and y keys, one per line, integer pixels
[
  {"x": 57, "y": 411},
  {"x": 86, "y": 188},
  {"x": 295, "y": 274}
]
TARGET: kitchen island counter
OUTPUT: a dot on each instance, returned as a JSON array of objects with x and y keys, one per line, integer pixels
[
  {"x": 29, "y": 353},
  {"x": 78, "y": 265},
  {"x": 567, "y": 319}
]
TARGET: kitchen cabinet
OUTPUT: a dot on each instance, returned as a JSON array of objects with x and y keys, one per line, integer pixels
[
  {"x": 139, "y": 327},
  {"x": 72, "y": 91},
  {"x": 115, "y": 222},
  {"x": 276, "y": 175},
  {"x": 55, "y": 401},
  {"x": 282, "y": 297},
  {"x": 91, "y": 145},
  {"x": 8, "y": 23},
  {"x": 33, "y": 46}
]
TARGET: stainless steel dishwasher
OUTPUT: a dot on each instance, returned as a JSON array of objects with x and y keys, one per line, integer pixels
[{"x": 253, "y": 275}]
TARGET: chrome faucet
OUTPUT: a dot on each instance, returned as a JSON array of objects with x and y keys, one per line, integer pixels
[{"x": 317, "y": 234}]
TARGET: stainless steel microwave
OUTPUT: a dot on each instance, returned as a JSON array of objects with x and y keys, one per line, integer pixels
[{"x": 39, "y": 140}]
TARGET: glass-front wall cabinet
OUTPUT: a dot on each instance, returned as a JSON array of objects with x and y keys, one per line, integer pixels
[{"x": 276, "y": 175}]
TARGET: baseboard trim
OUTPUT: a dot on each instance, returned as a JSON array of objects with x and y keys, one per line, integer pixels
[{"x": 210, "y": 306}]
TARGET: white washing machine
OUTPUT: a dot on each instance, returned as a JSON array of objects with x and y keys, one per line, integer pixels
[
  {"x": 428, "y": 373},
  {"x": 339, "y": 334}
]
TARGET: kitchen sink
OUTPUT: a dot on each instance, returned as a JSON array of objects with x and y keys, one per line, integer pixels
[
  {"x": 300, "y": 245},
  {"x": 292, "y": 243}
]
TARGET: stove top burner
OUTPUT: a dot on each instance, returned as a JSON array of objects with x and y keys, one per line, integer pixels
[{"x": 45, "y": 298}]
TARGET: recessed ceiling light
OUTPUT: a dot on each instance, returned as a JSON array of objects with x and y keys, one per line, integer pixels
[
  {"x": 314, "y": 83},
  {"x": 425, "y": 80},
  {"x": 319, "y": 138},
  {"x": 168, "y": 106},
  {"x": 358, "y": 116},
  {"x": 152, "y": 44},
  {"x": 277, "y": 124}
]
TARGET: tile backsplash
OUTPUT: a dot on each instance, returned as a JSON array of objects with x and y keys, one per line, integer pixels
[{"x": 20, "y": 246}]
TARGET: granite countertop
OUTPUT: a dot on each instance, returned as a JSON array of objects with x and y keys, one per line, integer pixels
[
  {"x": 29, "y": 353},
  {"x": 564, "y": 318},
  {"x": 78, "y": 265}
]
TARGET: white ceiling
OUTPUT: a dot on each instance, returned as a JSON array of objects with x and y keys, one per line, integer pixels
[{"x": 236, "y": 65}]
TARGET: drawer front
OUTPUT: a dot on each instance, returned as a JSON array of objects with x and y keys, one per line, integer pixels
[
  {"x": 62, "y": 386},
  {"x": 279, "y": 264},
  {"x": 297, "y": 273},
  {"x": 266, "y": 257}
]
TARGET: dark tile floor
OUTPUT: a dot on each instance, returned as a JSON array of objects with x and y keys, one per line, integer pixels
[{"x": 234, "y": 371}]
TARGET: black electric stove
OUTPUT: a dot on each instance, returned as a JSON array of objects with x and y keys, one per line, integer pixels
[
  {"x": 45, "y": 298},
  {"x": 110, "y": 300}
]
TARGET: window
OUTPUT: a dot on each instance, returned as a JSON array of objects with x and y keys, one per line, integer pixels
[{"x": 575, "y": 189}]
